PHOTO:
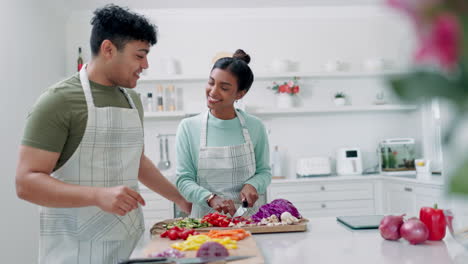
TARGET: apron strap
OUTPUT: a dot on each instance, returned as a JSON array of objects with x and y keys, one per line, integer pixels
[
  {"x": 204, "y": 129},
  {"x": 129, "y": 98},
  {"x": 245, "y": 131},
  {"x": 86, "y": 88}
]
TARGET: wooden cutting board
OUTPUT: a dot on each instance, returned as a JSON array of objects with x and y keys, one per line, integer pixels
[
  {"x": 298, "y": 227},
  {"x": 245, "y": 247}
]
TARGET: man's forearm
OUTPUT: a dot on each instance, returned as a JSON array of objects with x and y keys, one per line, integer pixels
[
  {"x": 43, "y": 189},
  {"x": 150, "y": 176}
]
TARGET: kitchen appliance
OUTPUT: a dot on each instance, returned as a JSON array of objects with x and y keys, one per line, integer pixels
[
  {"x": 312, "y": 167},
  {"x": 348, "y": 161},
  {"x": 396, "y": 156}
]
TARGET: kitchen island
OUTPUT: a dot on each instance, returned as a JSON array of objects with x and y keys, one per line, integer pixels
[{"x": 327, "y": 241}]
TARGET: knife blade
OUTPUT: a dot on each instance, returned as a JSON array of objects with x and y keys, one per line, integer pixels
[
  {"x": 242, "y": 209},
  {"x": 181, "y": 260}
]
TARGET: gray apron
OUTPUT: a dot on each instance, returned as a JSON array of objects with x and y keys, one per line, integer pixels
[
  {"x": 108, "y": 155},
  {"x": 224, "y": 170}
]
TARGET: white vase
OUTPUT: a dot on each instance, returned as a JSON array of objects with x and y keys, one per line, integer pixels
[
  {"x": 284, "y": 100},
  {"x": 339, "y": 101}
]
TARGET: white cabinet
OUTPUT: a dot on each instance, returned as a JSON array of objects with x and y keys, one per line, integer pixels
[
  {"x": 157, "y": 208},
  {"x": 314, "y": 199},
  {"x": 400, "y": 198}
]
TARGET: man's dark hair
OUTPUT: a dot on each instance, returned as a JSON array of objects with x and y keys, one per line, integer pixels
[{"x": 120, "y": 26}]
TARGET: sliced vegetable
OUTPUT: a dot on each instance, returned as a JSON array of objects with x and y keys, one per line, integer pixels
[
  {"x": 276, "y": 207},
  {"x": 288, "y": 218},
  {"x": 168, "y": 253},
  {"x": 211, "y": 250},
  {"x": 187, "y": 223},
  {"x": 194, "y": 242},
  {"x": 234, "y": 234},
  {"x": 178, "y": 232}
]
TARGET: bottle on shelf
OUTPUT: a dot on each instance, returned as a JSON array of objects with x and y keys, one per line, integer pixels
[
  {"x": 171, "y": 98},
  {"x": 159, "y": 98},
  {"x": 276, "y": 165},
  {"x": 79, "y": 62},
  {"x": 150, "y": 102}
]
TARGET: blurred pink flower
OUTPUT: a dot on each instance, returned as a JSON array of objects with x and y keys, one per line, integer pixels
[
  {"x": 441, "y": 42},
  {"x": 439, "y": 32}
]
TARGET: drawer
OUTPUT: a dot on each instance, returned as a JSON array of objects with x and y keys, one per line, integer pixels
[
  {"x": 320, "y": 187},
  {"x": 429, "y": 191},
  {"x": 336, "y": 208},
  {"x": 311, "y": 196},
  {"x": 399, "y": 187},
  {"x": 337, "y": 212},
  {"x": 326, "y": 205}
]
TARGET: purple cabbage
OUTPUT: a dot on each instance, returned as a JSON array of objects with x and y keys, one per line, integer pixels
[{"x": 276, "y": 207}]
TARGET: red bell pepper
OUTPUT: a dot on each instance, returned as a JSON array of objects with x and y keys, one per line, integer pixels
[{"x": 434, "y": 219}]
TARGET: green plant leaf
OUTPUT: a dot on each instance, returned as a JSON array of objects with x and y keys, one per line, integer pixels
[
  {"x": 459, "y": 181},
  {"x": 422, "y": 84}
]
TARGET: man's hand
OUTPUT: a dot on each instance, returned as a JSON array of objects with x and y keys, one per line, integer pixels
[
  {"x": 249, "y": 193},
  {"x": 118, "y": 200},
  {"x": 223, "y": 205}
]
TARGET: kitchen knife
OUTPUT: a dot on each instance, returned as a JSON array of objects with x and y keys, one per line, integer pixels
[
  {"x": 242, "y": 209},
  {"x": 182, "y": 260}
]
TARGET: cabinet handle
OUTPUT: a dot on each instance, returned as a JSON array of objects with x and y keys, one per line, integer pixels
[
  {"x": 324, "y": 205},
  {"x": 408, "y": 189},
  {"x": 322, "y": 188}
]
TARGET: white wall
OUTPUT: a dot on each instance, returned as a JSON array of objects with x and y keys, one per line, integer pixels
[
  {"x": 308, "y": 36},
  {"x": 39, "y": 48},
  {"x": 32, "y": 47}
]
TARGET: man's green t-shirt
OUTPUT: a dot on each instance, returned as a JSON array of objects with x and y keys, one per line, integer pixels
[{"x": 58, "y": 119}]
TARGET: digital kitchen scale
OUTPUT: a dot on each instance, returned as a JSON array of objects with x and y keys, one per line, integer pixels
[{"x": 361, "y": 221}]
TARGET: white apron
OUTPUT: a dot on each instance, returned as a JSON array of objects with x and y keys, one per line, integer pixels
[
  {"x": 224, "y": 170},
  {"x": 108, "y": 155}
]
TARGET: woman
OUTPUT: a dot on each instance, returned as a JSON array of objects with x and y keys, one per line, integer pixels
[{"x": 223, "y": 153}]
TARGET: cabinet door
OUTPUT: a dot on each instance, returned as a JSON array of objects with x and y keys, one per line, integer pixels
[
  {"x": 399, "y": 199},
  {"x": 157, "y": 208},
  {"x": 314, "y": 199},
  {"x": 428, "y": 196}
]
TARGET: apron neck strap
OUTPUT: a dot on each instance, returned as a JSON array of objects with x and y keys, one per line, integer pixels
[
  {"x": 86, "y": 87},
  {"x": 204, "y": 128},
  {"x": 87, "y": 90}
]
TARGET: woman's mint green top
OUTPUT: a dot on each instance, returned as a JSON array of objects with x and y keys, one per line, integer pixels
[{"x": 220, "y": 133}]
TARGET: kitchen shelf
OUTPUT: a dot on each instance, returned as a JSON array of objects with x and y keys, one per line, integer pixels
[
  {"x": 293, "y": 111},
  {"x": 279, "y": 75}
]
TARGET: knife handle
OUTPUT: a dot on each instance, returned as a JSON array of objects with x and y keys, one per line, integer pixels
[{"x": 245, "y": 203}]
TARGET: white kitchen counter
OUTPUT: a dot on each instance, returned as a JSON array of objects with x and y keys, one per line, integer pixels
[{"x": 328, "y": 241}]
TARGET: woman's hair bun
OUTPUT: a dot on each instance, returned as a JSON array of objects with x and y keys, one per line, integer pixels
[{"x": 241, "y": 55}]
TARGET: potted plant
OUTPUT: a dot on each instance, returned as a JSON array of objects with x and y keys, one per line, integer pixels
[
  {"x": 340, "y": 98},
  {"x": 286, "y": 92}
]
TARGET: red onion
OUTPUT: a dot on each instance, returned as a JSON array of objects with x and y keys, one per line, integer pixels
[
  {"x": 390, "y": 227},
  {"x": 414, "y": 231},
  {"x": 211, "y": 250}
]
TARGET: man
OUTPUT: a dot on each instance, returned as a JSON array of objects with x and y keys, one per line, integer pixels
[{"x": 82, "y": 152}]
